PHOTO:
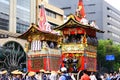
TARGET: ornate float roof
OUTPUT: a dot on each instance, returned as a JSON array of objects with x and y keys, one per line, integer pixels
[
  {"x": 73, "y": 23},
  {"x": 34, "y": 30}
]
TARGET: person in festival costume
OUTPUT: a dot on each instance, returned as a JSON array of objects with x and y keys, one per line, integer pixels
[
  {"x": 17, "y": 75},
  {"x": 48, "y": 73},
  {"x": 74, "y": 64},
  {"x": 14, "y": 75},
  {"x": 4, "y": 76},
  {"x": 53, "y": 75},
  {"x": 20, "y": 75},
  {"x": 66, "y": 61},
  {"x": 40, "y": 74},
  {"x": 31, "y": 76}
]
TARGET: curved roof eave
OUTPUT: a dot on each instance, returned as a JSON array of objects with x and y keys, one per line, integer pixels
[
  {"x": 76, "y": 23},
  {"x": 35, "y": 28},
  {"x": 27, "y": 33}
]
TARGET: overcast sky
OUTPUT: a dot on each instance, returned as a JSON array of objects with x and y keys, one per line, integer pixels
[{"x": 114, "y": 3}]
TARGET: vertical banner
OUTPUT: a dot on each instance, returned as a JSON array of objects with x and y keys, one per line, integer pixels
[
  {"x": 42, "y": 22},
  {"x": 42, "y": 17}
]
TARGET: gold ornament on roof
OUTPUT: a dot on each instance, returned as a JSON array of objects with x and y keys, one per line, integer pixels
[
  {"x": 71, "y": 16},
  {"x": 33, "y": 30}
]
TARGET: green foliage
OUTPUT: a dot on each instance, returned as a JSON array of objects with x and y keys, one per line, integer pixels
[{"x": 104, "y": 48}]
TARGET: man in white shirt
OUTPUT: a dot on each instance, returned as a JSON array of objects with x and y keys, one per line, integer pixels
[{"x": 92, "y": 76}]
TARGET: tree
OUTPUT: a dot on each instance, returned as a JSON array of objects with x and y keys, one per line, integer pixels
[{"x": 106, "y": 47}]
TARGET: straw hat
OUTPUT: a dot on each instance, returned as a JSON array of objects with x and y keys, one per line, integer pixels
[
  {"x": 31, "y": 73},
  {"x": 42, "y": 70},
  {"x": 58, "y": 71},
  {"x": 53, "y": 72},
  {"x": 4, "y": 72},
  {"x": 47, "y": 72},
  {"x": 15, "y": 72},
  {"x": 19, "y": 72}
]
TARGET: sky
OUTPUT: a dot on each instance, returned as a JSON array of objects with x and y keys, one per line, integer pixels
[{"x": 114, "y": 3}]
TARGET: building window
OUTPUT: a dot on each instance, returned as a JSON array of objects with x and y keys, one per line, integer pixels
[
  {"x": 108, "y": 8},
  {"x": 108, "y": 15},
  {"x": 90, "y": 4},
  {"x": 51, "y": 14},
  {"x": 66, "y": 8},
  {"x": 108, "y": 31},
  {"x": 4, "y": 23},
  {"x": 23, "y": 11},
  {"x": 108, "y": 23},
  {"x": 113, "y": 12},
  {"x": 90, "y": 13},
  {"x": 4, "y": 14},
  {"x": 21, "y": 28}
]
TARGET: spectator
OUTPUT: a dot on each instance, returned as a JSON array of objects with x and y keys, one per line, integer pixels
[
  {"x": 92, "y": 76},
  {"x": 53, "y": 75},
  {"x": 65, "y": 75},
  {"x": 4, "y": 76},
  {"x": 14, "y": 75},
  {"x": 31, "y": 76},
  {"x": 85, "y": 76}
]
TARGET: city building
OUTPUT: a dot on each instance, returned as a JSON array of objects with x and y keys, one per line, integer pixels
[
  {"x": 10, "y": 9},
  {"x": 16, "y": 15},
  {"x": 105, "y": 15}
]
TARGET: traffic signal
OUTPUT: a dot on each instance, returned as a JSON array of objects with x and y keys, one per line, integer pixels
[{"x": 3, "y": 36}]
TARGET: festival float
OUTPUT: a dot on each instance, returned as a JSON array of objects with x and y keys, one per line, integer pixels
[
  {"x": 79, "y": 44},
  {"x": 42, "y": 49}
]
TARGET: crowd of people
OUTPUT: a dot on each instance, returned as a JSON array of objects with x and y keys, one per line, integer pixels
[
  {"x": 41, "y": 75},
  {"x": 56, "y": 75},
  {"x": 97, "y": 76}
]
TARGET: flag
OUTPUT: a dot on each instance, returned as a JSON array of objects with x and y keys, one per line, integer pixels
[
  {"x": 43, "y": 23},
  {"x": 47, "y": 27},
  {"x": 42, "y": 17},
  {"x": 81, "y": 11}
]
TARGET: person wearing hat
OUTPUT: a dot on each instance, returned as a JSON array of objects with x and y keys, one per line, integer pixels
[
  {"x": 4, "y": 76},
  {"x": 15, "y": 75},
  {"x": 65, "y": 75},
  {"x": 20, "y": 75},
  {"x": 31, "y": 76},
  {"x": 46, "y": 76},
  {"x": 41, "y": 73},
  {"x": 53, "y": 75},
  {"x": 58, "y": 74}
]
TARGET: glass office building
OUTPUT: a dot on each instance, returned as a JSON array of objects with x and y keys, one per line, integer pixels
[
  {"x": 22, "y": 15},
  {"x": 4, "y": 14}
]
